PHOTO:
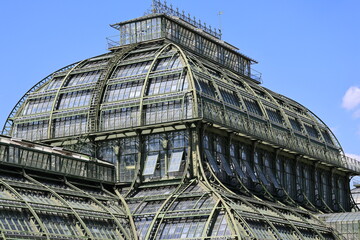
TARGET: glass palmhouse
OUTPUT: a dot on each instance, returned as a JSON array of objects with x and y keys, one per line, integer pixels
[{"x": 169, "y": 135}]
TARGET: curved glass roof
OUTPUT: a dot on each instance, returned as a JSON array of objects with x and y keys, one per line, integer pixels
[
  {"x": 167, "y": 76},
  {"x": 157, "y": 83},
  {"x": 148, "y": 76}
]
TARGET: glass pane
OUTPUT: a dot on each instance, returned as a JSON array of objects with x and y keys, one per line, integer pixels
[
  {"x": 252, "y": 106},
  {"x": 226, "y": 165},
  {"x": 150, "y": 164},
  {"x": 238, "y": 168},
  {"x": 175, "y": 161},
  {"x": 212, "y": 161},
  {"x": 295, "y": 124}
]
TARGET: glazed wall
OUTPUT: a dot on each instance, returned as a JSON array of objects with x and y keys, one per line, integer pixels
[{"x": 268, "y": 172}]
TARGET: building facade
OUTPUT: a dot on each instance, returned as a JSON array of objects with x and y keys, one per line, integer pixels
[{"x": 168, "y": 135}]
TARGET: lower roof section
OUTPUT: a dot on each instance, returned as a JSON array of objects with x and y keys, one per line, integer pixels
[
  {"x": 197, "y": 210},
  {"x": 348, "y": 224},
  {"x": 34, "y": 207},
  {"x": 44, "y": 204}
]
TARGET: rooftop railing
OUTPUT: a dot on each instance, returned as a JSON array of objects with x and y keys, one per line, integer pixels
[
  {"x": 113, "y": 41},
  {"x": 159, "y": 7},
  {"x": 256, "y": 75}
]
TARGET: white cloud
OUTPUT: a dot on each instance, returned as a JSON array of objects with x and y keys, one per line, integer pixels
[
  {"x": 356, "y": 114},
  {"x": 351, "y": 98}
]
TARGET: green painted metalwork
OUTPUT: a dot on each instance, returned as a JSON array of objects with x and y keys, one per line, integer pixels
[
  {"x": 119, "y": 225},
  {"x": 76, "y": 214},
  {"x": 9, "y": 124},
  {"x": 131, "y": 220},
  {"x": 42, "y": 228},
  {"x": 57, "y": 97},
  {"x": 100, "y": 88},
  {"x": 229, "y": 158}
]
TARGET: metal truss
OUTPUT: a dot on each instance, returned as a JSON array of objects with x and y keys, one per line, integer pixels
[{"x": 243, "y": 162}]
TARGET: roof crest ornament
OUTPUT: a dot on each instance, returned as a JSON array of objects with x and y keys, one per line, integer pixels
[{"x": 159, "y": 7}]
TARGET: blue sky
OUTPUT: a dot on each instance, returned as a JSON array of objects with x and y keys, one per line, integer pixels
[{"x": 307, "y": 50}]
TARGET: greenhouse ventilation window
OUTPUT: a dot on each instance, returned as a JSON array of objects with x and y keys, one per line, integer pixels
[
  {"x": 150, "y": 164},
  {"x": 238, "y": 168},
  {"x": 212, "y": 161},
  {"x": 175, "y": 161},
  {"x": 226, "y": 165}
]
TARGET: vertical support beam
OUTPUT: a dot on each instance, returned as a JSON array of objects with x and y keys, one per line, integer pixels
[
  {"x": 189, "y": 166},
  {"x": 298, "y": 181},
  {"x": 332, "y": 190},
  {"x": 138, "y": 178},
  {"x": 350, "y": 199}
]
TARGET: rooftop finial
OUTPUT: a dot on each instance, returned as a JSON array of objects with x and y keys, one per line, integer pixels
[
  {"x": 153, "y": 9},
  {"x": 220, "y": 27}
]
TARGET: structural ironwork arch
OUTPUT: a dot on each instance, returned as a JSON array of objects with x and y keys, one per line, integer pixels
[{"x": 175, "y": 138}]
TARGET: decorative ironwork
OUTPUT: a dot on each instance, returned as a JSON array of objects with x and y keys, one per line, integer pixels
[
  {"x": 169, "y": 141},
  {"x": 159, "y": 7}
]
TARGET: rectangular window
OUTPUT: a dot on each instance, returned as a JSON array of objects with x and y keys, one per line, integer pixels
[
  {"x": 131, "y": 69},
  {"x": 53, "y": 84},
  {"x": 4, "y": 153},
  {"x": 212, "y": 161},
  {"x": 150, "y": 164},
  {"x": 83, "y": 78},
  {"x": 32, "y": 130},
  {"x": 295, "y": 124},
  {"x": 75, "y": 99},
  {"x": 238, "y": 168},
  {"x": 70, "y": 125},
  {"x": 250, "y": 172},
  {"x": 38, "y": 105},
  {"x": 128, "y": 150},
  {"x": 252, "y": 106},
  {"x": 230, "y": 97},
  {"x": 274, "y": 115},
  {"x": 119, "y": 118},
  {"x": 206, "y": 87},
  {"x": 225, "y": 165},
  {"x": 175, "y": 161},
  {"x": 311, "y": 131},
  {"x": 123, "y": 91},
  {"x": 327, "y": 137}
]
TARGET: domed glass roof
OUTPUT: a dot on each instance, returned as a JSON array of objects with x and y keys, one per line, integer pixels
[
  {"x": 191, "y": 145},
  {"x": 156, "y": 83},
  {"x": 165, "y": 70}
]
